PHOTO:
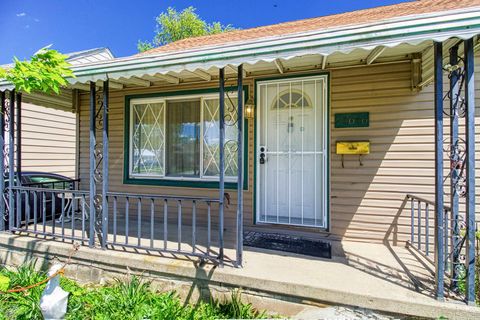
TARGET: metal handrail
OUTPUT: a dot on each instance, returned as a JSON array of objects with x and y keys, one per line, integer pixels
[
  {"x": 64, "y": 214},
  {"x": 156, "y": 196},
  {"x": 49, "y": 212},
  {"x": 73, "y": 182},
  {"x": 25, "y": 188},
  {"x": 425, "y": 200},
  {"x": 421, "y": 234},
  {"x": 147, "y": 207}
]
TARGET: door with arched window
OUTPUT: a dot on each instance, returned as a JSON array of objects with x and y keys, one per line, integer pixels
[{"x": 292, "y": 117}]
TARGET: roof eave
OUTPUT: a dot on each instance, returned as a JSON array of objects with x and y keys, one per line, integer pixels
[{"x": 463, "y": 24}]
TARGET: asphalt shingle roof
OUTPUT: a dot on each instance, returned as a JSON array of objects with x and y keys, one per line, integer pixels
[{"x": 320, "y": 23}]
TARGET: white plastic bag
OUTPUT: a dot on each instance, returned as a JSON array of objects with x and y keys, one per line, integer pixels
[{"x": 53, "y": 302}]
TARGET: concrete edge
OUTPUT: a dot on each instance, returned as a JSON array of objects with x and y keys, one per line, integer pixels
[{"x": 181, "y": 269}]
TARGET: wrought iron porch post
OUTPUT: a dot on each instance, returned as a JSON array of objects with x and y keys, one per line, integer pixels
[
  {"x": 454, "y": 159},
  {"x": 221, "y": 147},
  {"x": 470, "y": 168},
  {"x": 93, "y": 142},
  {"x": 11, "y": 159},
  {"x": 2, "y": 160},
  {"x": 105, "y": 143},
  {"x": 239, "y": 257},
  {"x": 19, "y": 138},
  {"x": 439, "y": 212}
]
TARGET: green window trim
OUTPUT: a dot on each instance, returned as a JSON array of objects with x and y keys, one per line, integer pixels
[{"x": 185, "y": 183}]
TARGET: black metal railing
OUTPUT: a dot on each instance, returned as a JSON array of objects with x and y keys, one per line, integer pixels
[
  {"x": 71, "y": 184},
  {"x": 422, "y": 236},
  {"x": 171, "y": 224},
  {"x": 422, "y": 215},
  {"x": 58, "y": 213}
]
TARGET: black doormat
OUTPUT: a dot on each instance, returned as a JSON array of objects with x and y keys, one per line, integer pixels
[{"x": 287, "y": 243}]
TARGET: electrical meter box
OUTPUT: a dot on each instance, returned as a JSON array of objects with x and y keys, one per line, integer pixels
[{"x": 353, "y": 147}]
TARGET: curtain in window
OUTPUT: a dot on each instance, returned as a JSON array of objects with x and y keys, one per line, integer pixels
[{"x": 183, "y": 138}]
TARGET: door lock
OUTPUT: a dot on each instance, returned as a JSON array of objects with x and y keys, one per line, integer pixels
[{"x": 262, "y": 155}]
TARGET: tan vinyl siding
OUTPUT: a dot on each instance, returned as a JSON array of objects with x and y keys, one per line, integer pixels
[
  {"x": 365, "y": 199},
  {"x": 48, "y": 140}
]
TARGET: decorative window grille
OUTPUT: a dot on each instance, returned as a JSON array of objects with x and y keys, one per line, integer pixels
[{"x": 162, "y": 136}]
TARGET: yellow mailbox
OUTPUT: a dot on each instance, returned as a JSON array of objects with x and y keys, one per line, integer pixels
[{"x": 353, "y": 147}]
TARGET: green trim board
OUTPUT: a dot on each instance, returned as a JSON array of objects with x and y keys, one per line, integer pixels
[
  {"x": 171, "y": 182},
  {"x": 328, "y": 147}
]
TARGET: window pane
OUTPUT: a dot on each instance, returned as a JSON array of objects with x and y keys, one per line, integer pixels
[
  {"x": 211, "y": 151},
  {"x": 148, "y": 139},
  {"x": 183, "y": 138}
]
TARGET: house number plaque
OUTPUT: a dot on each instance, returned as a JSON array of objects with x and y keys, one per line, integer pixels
[{"x": 352, "y": 120}]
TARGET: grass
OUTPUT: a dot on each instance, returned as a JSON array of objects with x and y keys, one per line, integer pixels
[{"x": 131, "y": 299}]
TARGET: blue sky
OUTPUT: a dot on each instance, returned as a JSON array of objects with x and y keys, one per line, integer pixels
[{"x": 27, "y": 25}]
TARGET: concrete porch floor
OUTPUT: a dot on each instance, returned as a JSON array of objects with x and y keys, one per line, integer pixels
[{"x": 373, "y": 276}]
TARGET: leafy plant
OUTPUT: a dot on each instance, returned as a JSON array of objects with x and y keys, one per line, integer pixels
[
  {"x": 22, "y": 305},
  {"x": 234, "y": 308},
  {"x": 462, "y": 276},
  {"x": 173, "y": 26},
  {"x": 46, "y": 72},
  {"x": 131, "y": 299},
  {"x": 4, "y": 283}
]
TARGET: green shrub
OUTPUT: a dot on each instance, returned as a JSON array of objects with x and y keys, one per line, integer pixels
[
  {"x": 131, "y": 299},
  {"x": 22, "y": 305}
]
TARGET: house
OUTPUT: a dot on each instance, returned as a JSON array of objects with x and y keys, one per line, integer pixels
[{"x": 357, "y": 127}]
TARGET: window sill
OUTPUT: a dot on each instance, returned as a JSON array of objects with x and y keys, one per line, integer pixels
[{"x": 183, "y": 183}]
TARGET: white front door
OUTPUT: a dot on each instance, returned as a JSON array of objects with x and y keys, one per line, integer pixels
[{"x": 292, "y": 151}]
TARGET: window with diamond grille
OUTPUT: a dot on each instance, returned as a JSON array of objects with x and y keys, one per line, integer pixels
[
  {"x": 148, "y": 139},
  {"x": 211, "y": 150},
  {"x": 175, "y": 138}
]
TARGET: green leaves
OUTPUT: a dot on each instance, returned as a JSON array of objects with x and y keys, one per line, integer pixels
[
  {"x": 173, "y": 26},
  {"x": 22, "y": 305},
  {"x": 46, "y": 72},
  {"x": 4, "y": 283},
  {"x": 132, "y": 298}
]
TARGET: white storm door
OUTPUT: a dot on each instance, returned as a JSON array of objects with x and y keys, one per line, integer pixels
[{"x": 292, "y": 151}]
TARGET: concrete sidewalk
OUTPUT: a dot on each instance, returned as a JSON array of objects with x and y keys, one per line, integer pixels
[{"x": 377, "y": 277}]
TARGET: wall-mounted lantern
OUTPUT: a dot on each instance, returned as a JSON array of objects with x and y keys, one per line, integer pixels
[{"x": 249, "y": 109}]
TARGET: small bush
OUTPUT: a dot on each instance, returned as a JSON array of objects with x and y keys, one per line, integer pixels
[
  {"x": 132, "y": 299},
  {"x": 22, "y": 305}
]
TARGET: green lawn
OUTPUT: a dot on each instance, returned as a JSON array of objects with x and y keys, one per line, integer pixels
[{"x": 133, "y": 299}]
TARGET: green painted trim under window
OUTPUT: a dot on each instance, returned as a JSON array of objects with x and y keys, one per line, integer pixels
[{"x": 178, "y": 183}]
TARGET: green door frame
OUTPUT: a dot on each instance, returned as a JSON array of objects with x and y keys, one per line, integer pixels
[{"x": 255, "y": 148}]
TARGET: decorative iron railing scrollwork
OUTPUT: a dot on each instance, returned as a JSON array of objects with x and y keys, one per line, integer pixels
[
  {"x": 230, "y": 111},
  {"x": 100, "y": 106},
  {"x": 98, "y": 155},
  {"x": 456, "y": 152},
  {"x": 7, "y": 122}
]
